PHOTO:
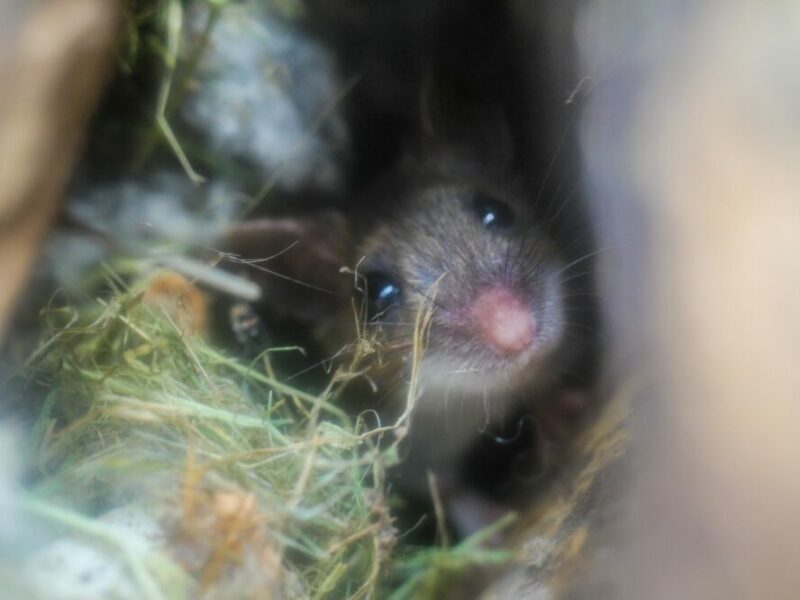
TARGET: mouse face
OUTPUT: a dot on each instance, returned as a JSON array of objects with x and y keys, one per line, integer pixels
[
  {"x": 490, "y": 276},
  {"x": 446, "y": 239}
]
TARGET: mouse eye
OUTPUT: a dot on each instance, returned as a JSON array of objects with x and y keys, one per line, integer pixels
[
  {"x": 383, "y": 291},
  {"x": 493, "y": 213}
]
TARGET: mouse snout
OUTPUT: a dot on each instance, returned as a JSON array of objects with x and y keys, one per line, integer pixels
[{"x": 504, "y": 321}]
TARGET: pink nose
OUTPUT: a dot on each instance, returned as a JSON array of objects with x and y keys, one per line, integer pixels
[{"x": 504, "y": 321}]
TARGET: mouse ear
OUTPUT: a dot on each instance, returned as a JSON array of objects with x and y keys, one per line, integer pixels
[
  {"x": 297, "y": 262},
  {"x": 476, "y": 134}
]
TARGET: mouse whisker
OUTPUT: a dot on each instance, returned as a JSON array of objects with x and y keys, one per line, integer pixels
[
  {"x": 579, "y": 260},
  {"x": 560, "y": 146},
  {"x": 574, "y": 276},
  {"x": 569, "y": 198},
  {"x": 258, "y": 267}
]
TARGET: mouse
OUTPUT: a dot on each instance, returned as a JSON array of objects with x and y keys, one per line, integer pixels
[
  {"x": 455, "y": 249},
  {"x": 506, "y": 310}
]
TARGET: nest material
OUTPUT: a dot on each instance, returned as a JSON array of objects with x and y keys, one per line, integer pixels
[
  {"x": 242, "y": 471},
  {"x": 249, "y": 486}
]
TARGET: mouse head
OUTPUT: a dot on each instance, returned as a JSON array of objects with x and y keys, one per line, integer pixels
[
  {"x": 475, "y": 254},
  {"x": 469, "y": 250}
]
